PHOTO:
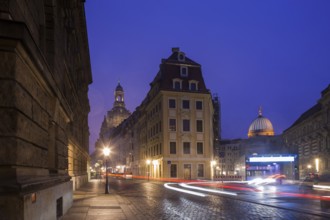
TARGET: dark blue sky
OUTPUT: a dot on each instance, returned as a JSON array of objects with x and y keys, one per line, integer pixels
[{"x": 273, "y": 53}]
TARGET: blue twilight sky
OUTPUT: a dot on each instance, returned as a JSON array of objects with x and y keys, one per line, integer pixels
[{"x": 273, "y": 53}]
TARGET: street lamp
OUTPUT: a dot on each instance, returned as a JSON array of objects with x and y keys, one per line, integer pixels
[
  {"x": 148, "y": 163},
  {"x": 106, "y": 152}
]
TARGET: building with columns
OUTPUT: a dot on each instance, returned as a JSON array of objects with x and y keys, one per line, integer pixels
[
  {"x": 309, "y": 137},
  {"x": 171, "y": 134},
  {"x": 44, "y": 76}
]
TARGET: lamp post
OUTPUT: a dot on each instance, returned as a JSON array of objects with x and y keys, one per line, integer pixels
[
  {"x": 106, "y": 152},
  {"x": 148, "y": 163}
]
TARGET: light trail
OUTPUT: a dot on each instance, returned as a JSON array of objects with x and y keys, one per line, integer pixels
[
  {"x": 207, "y": 190},
  {"x": 323, "y": 187},
  {"x": 183, "y": 190}
]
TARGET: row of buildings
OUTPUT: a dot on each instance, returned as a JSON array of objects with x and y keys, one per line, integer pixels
[
  {"x": 172, "y": 133},
  {"x": 176, "y": 133},
  {"x": 44, "y": 76}
]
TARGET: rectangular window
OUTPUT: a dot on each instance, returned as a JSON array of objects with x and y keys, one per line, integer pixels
[
  {"x": 171, "y": 103},
  {"x": 186, "y": 147},
  {"x": 193, "y": 86},
  {"x": 172, "y": 147},
  {"x": 199, "y": 105},
  {"x": 177, "y": 85},
  {"x": 184, "y": 71},
  {"x": 200, "y": 170},
  {"x": 185, "y": 104},
  {"x": 199, "y": 125},
  {"x": 186, "y": 125},
  {"x": 172, "y": 124},
  {"x": 200, "y": 147},
  {"x": 173, "y": 170}
]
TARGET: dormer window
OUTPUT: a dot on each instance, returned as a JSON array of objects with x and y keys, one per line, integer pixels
[
  {"x": 177, "y": 84},
  {"x": 181, "y": 57},
  {"x": 193, "y": 85},
  {"x": 184, "y": 71}
]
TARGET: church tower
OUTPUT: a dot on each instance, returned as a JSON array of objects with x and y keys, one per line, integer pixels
[
  {"x": 114, "y": 117},
  {"x": 119, "y": 112}
]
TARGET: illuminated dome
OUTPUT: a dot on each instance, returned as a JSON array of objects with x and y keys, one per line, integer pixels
[{"x": 261, "y": 126}]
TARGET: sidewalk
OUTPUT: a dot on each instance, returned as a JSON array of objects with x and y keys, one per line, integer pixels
[{"x": 90, "y": 202}]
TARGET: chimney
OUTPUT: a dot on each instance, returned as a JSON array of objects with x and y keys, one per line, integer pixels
[{"x": 175, "y": 49}]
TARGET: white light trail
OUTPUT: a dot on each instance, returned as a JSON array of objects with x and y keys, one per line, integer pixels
[
  {"x": 208, "y": 190},
  {"x": 321, "y": 187},
  {"x": 183, "y": 190}
]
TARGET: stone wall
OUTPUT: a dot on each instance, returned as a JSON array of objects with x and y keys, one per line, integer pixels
[{"x": 44, "y": 77}]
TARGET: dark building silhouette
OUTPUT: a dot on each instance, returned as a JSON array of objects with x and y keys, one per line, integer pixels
[{"x": 44, "y": 77}]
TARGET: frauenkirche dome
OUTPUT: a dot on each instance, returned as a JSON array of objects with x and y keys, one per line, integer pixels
[{"x": 261, "y": 126}]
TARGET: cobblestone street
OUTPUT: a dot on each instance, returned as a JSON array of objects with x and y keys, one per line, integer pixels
[{"x": 140, "y": 199}]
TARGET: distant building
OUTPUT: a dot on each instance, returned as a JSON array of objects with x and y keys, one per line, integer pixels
[
  {"x": 309, "y": 137},
  {"x": 44, "y": 76},
  {"x": 234, "y": 154},
  {"x": 171, "y": 134},
  {"x": 114, "y": 117},
  {"x": 261, "y": 126}
]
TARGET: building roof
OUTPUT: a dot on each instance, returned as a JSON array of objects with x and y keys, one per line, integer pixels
[
  {"x": 119, "y": 87},
  {"x": 325, "y": 94},
  {"x": 307, "y": 114},
  {"x": 261, "y": 126},
  {"x": 170, "y": 69}
]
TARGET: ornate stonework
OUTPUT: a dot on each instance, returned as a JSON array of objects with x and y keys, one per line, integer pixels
[{"x": 43, "y": 106}]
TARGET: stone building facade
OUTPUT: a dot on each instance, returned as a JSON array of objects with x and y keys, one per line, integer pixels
[
  {"x": 44, "y": 77},
  {"x": 171, "y": 134},
  {"x": 309, "y": 137}
]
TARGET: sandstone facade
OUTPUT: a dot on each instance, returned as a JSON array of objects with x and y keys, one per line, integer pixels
[{"x": 44, "y": 77}]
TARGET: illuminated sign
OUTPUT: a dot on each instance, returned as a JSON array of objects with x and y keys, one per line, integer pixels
[{"x": 272, "y": 159}]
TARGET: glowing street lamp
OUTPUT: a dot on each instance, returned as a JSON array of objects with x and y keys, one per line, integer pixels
[
  {"x": 106, "y": 152},
  {"x": 148, "y": 163}
]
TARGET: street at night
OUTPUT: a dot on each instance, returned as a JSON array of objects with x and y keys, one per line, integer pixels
[{"x": 143, "y": 199}]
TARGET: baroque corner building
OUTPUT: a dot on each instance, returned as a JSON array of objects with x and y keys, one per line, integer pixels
[
  {"x": 44, "y": 76},
  {"x": 309, "y": 137},
  {"x": 171, "y": 133}
]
